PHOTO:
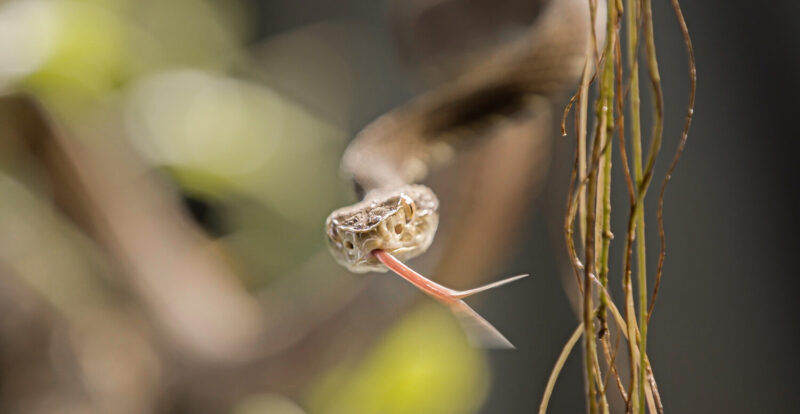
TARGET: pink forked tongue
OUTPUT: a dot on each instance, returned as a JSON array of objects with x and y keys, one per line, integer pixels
[{"x": 479, "y": 331}]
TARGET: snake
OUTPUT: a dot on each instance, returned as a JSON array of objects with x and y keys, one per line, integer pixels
[{"x": 387, "y": 161}]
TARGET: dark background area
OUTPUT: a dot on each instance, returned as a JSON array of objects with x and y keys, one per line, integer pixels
[{"x": 724, "y": 335}]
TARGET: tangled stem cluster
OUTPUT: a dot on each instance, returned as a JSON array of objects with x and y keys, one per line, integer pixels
[{"x": 589, "y": 201}]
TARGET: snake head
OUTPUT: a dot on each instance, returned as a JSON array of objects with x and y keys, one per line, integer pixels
[{"x": 401, "y": 221}]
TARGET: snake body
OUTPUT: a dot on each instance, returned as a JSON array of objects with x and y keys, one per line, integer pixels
[{"x": 399, "y": 148}]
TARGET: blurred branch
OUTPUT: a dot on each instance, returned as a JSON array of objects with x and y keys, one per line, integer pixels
[
  {"x": 211, "y": 323},
  {"x": 143, "y": 229}
]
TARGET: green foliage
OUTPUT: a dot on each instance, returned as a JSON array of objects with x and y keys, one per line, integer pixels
[{"x": 422, "y": 365}]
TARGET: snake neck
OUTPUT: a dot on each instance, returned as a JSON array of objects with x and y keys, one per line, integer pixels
[{"x": 402, "y": 146}]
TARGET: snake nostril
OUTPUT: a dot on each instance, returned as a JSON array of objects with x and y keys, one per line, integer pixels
[{"x": 349, "y": 245}]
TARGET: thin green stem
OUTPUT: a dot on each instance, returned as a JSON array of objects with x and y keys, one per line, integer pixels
[
  {"x": 642, "y": 279},
  {"x": 604, "y": 229},
  {"x": 636, "y": 143},
  {"x": 655, "y": 147},
  {"x": 598, "y": 202},
  {"x": 589, "y": 271},
  {"x": 562, "y": 359}
]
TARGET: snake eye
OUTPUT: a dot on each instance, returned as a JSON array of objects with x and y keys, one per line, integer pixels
[
  {"x": 332, "y": 233},
  {"x": 408, "y": 206}
]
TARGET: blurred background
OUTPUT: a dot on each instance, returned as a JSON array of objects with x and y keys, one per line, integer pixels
[{"x": 166, "y": 168}]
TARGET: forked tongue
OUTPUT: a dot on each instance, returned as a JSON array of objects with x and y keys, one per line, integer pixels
[{"x": 478, "y": 330}]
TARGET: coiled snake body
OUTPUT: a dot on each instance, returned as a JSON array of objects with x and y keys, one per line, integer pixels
[{"x": 397, "y": 219}]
